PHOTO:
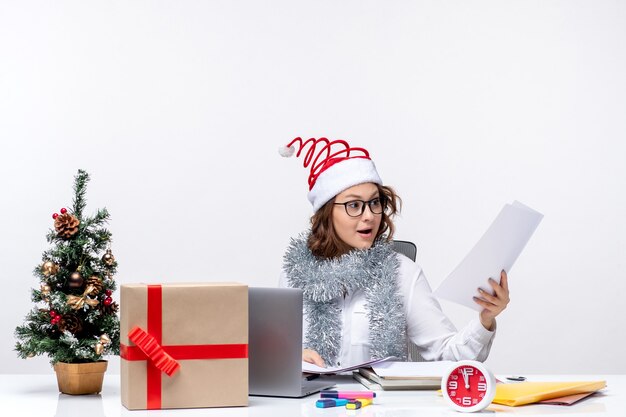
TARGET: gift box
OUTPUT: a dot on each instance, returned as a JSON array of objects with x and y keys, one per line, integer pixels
[{"x": 184, "y": 345}]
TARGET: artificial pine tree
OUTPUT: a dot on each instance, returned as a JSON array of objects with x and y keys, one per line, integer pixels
[{"x": 75, "y": 318}]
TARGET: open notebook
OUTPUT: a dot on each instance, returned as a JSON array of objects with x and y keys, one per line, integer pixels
[{"x": 314, "y": 369}]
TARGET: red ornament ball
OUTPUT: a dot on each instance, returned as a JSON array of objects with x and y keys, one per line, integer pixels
[
  {"x": 108, "y": 293},
  {"x": 53, "y": 313},
  {"x": 55, "y": 215},
  {"x": 108, "y": 301},
  {"x": 63, "y": 210}
]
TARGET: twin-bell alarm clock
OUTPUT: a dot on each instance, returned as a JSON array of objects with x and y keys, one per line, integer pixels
[{"x": 468, "y": 386}]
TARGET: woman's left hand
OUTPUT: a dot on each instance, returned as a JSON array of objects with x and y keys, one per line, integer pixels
[{"x": 493, "y": 304}]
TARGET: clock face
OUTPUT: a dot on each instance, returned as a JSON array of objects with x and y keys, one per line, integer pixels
[{"x": 469, "y": 386}]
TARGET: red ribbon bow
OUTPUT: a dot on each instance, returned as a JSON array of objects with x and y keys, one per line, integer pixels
[{"x": 153, "y": 350}]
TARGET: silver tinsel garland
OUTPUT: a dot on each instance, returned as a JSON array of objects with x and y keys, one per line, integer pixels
[{"x": 324, "y": 282}]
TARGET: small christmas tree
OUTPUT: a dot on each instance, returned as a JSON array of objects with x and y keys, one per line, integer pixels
[{"x": 75, "y": 319}]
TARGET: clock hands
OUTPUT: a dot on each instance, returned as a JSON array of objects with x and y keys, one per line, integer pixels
[{"x": 465, "y": 378}]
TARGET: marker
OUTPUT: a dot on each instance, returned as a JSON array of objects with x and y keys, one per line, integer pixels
[
  {"x": 330, "y": 402},
  {"x": 350, "y": 395},
  {"x": 360, "y": 403}
]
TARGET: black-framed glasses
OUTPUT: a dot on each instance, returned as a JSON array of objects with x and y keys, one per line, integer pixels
[{"x": 355, "y": 208}]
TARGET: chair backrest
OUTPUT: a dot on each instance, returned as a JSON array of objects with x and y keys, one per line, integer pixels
[
  {"x": 406, "y": 248},
  {"x": 409, "y": 250}
]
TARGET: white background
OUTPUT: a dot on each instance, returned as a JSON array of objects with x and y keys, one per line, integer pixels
[{"x": 177, "y": 108}]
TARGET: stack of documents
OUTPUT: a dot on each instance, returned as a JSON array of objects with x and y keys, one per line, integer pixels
[
  {"x": 532, "y": 392},
  {"x": 403, "y": 375}
]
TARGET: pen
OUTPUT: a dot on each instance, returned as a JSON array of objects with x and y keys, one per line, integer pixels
[
  {"x": 360, "y": 403},
  {"x": 330, "y": 402},
  {"x": 350, "y": 395}
]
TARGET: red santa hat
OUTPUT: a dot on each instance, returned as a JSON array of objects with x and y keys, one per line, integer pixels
[{"x": 335, "y": 167}]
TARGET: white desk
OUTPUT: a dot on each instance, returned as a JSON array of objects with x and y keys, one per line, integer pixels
[{"x": 37, "y": 395}]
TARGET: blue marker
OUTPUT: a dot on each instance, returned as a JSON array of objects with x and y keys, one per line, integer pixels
[{"x": 330, "y": 402}]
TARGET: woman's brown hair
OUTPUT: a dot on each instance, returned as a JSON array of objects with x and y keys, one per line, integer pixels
[{"x": 323, "y": 241}]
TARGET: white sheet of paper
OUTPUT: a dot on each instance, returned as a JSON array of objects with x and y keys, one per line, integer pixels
[
  {"x": 496, "y": 250},
  {"x": 412, "y": 369},
  {"x": 314, "y": 369}
]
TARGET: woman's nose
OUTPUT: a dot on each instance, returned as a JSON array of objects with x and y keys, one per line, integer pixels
[{"x": 367, "y": 213}]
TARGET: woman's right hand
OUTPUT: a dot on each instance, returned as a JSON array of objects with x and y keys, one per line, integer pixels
[{"x": 311, "y": 356}]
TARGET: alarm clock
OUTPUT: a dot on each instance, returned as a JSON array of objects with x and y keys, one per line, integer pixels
[{"x": 468, "y": 386}]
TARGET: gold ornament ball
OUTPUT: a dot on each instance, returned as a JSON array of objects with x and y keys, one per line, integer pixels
[
  {"x": 45, "y": 289},
  {"x": 108, "y": 258},
  {"x": 76, "y": 280},
  {"x": 99, "y": 348},
  {"x": 104, "y": 339},
  {"x": 49, "y": 268}
]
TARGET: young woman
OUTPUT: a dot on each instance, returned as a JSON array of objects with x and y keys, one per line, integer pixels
[{"x": 362, "y": 300}]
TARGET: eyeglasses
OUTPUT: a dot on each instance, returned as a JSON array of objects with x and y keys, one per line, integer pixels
[{"x": 355, "y": 208}]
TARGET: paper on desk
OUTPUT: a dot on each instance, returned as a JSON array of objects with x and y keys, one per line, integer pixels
[
  {"x": 496, "y": 250},
  {"x": 412, "y": 369},
  {"x": 568, "y": 399},
  {"x": 314, "y": 369}
]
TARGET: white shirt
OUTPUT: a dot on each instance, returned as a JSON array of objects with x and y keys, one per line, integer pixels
[{"x": 427, "y": 326}]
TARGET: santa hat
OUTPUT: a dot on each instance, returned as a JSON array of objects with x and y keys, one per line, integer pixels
[{"x": 335, "y": 167}]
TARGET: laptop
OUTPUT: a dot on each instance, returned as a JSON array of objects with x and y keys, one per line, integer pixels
[{"x": 275, "y": 344}]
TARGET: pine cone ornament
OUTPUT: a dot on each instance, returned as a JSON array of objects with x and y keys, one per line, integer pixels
[
  {"x": 109, "y": 309},
  {"x": 71, "y": 323},
  {"x": 66, "y": 225},
  {"x": 96, "y": 281}
]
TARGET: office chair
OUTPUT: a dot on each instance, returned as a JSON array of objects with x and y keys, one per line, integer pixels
[
  {"x": 409, "y": 250},
  {"x": 406, "y": 248}
]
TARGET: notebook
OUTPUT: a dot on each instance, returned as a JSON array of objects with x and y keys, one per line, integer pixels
[
  {"x": 275, "y": 344},
  {"x": 403, "y": 380}
]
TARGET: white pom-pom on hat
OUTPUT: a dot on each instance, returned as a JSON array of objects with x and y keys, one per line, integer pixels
[{"x": 286, "y": 151}]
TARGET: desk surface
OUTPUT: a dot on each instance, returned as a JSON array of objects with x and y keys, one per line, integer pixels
[{"x": 37, "y": 395}]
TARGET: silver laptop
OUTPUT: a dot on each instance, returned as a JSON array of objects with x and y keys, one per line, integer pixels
[{"x": 275, "y": 344}]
